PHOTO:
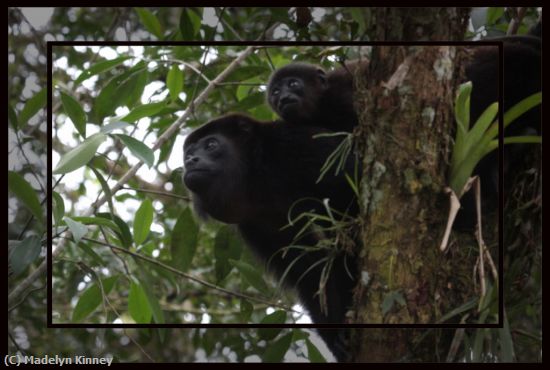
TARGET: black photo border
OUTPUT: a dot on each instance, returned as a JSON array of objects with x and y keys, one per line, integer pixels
[{"x": 52, "y": 44}]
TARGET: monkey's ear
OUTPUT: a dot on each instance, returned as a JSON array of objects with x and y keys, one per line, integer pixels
[{"x": 322, "y": 75}]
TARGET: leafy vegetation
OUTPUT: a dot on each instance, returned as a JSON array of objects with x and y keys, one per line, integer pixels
[{"x": 140, "y": 256}]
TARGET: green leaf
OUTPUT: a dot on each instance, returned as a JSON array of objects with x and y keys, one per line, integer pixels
[
  {"x": 246, "y": 310},
  {"x": 226, "y": 246},
  {"x": 12, "y": 117},
  {"x": 114, "y": 126},
  {"x": 276, "y": 351},
  {"x": 516, "y": 111},
  {"x": 142, "y": 221},
  {"x": 99, "y": 67},
  {"x": 58, "y": 207},
  {"x": 118, "y": 90},
  {"x": 150, "y": 22},
  {"x": 92, "y": 298},
  {"x": 77, "y": 229},
  {"x": 190, "y": 24},
  {"x": 313, "y": 353},
  {"x": 144, "y": 277},
  {"x": 494, "y": 14},
  {"x": 277, "y": 317},
  {"x": 125, "y": 236},
  {"x": 104, "y": 187},
  {"x": 474, "y": 137},
  {"x": 26, "y": 194},
  {"x": 32, "y": 106},
  {"x": 462, "y": 117},
  {"x": 25, "y": 253},
  {"x": 184, "y": 240},
  {"x": 75, "y": 113},
  {"x": 138, "y": 149},
  {"x": 145, "y": 110},
  {"x": 506, "y": 342},
  {"x": 521, "y": 107},
  {"x": 138, "y": 304},
  {"x": 96, "y": 258},
  {"x": 251, "y": 275},
  {"x": 99, "y": 221},
  {"x": 174, "y": 81},
  {"x": 457, "y": 311},
  {"x": 80, "y": 155},
  {"x": 358, "y": 16}
]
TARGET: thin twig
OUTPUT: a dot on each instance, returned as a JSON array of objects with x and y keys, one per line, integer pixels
[
  {"x": 164, "y": 194},
  {"x": 189, "y": 276},
  {"x": 179, "y": 122}
]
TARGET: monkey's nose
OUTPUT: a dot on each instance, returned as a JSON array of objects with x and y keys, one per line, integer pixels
[{"x": 190, "y": 161}]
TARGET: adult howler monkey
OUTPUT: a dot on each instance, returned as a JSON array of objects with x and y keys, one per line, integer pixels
[{"x": 250, "y": 173}]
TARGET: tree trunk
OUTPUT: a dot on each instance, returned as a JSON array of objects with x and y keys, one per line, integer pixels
[{"x": 405, "y": 105}]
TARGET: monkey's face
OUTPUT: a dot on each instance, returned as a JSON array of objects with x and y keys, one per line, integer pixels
[
  {"x": 296, "y": 98},
  {"x": 214, "y": 173}
]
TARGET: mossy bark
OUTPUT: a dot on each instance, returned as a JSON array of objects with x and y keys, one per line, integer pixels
[{"x": 405, "y": 104}]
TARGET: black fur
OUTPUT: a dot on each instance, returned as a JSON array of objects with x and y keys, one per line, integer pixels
[
  {"x": 252, "y": 177},
  {"x": 317, "y": 98}
]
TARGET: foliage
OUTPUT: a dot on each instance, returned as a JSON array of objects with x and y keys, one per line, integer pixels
[
  {"x": 110, "y": 104},
  {"x": 471, "y": 145}
]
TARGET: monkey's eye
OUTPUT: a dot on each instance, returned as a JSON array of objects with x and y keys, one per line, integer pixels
[
  {"x": 293, "y": 83},
  {"x": 275, "y": 92},
  {"x": 211, "y": 144}
]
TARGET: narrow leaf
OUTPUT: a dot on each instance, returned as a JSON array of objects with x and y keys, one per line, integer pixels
[
  {"x": 145, "y": 110},
  {"x": 473, "y": 138},
  {"x": 144, "y": 277},
  {"x": 77, "y": 229},
  {"x": 32, "y": 106},
  {"x": 118, "y": 90},
  {"x": 12, "y": 117},
  {"x": 189, "y": 24},
  {"x": 58, "y": 207},
  {"x": 99, "y": 221},
  {"x": 26, "y": 194},
  {"x": 75, "y": 113},
  {"x": 277, "y": 317},
  {"x": 99, "y": 67},
  {"x": 138, "y": 304},
  {"x": 276, "y": 351},
  {"x": 174, "y": 81},
  {"x": 114, "y": 126},
  {"x": 142, "y": 221},
  {"x": 92, "y": 298},
  {"x": 493, "y": 14},
  {"x": 138, "y": 149},
  {"x": 25, "y": 253},
  {"x": 506, "y": 342},
  {"x": 313, "y": 354},
  {"x": 184, "y": 240},
  {"x": 462, "y": 117},
  {"x": 250, "y": 275},
  {"x": 125, "y": 236},
  {"x": 246, "y": 310},
  {"x": 150, "y": 22},
  {"x": 80, "y": 155}
]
